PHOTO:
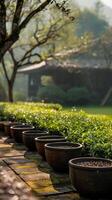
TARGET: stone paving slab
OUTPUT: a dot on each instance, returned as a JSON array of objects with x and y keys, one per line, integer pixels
[
  {"x": 41, "y": 176},
  {"x": 41, "y": 182},
  {"x": 51, "y": 190},
  {"x": 21, "y": 171},
  {"x": 3, "y": 166},
  {"x": 16, "y": 160},
  {"x": 12, "y": 187},
  {"x": 10, "y": 153},
  {"x": 6, "y": 146},
  {"x": 23, "y": 166},
  {"x": 15, "y": 197},
  {"x": 6, "y": 150},
  {"x": 37, "y": 176},
  {"x": 45, "y": 182},
  {"x": 19, "y": 146},
  {"x": 69, "y": 196}
]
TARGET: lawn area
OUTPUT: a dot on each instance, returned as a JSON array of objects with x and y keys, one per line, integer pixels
[{"x": 96, "y": 110}]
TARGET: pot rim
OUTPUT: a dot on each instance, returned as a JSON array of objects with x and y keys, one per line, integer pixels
[
  {"x": 12, "y": 123},
  {"x": 34, "y": 132},
  {"x": 6, "y": 122},
  {"x": 73, "y": 163},
  {"x": 49, "y": 137},
  {"x": 22, "y": 126},
  {"x": 55, "y": 146}
]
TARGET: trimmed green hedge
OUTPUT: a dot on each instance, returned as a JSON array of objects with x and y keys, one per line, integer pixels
[{"x": 94, "y": 132}]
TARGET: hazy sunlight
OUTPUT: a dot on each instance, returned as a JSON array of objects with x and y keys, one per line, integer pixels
[{"x": 107, "y": 2}]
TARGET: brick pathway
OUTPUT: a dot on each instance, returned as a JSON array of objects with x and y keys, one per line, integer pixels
[{"x": 25, "y": 176}]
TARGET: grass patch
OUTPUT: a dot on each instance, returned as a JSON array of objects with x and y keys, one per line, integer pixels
[{"x": 98, "y": 110}]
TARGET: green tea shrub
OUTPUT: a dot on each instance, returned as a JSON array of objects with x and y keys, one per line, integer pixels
[
  {"x": 93, "y": 131},
  {"x": 78, "y": 96}
]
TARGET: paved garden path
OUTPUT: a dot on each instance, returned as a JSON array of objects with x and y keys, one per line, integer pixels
[{"x": 25, "y": 176}]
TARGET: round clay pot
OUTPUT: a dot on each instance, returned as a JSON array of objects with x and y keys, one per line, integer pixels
[
  {"x": 91, "y": 180},
  {"x": 29, "y": 138},
  {"x": 41, "y": 141},
  {"x": 7, "y": 126},
  {"x": 59, "y": 153},
  {"x": 2, "y": 125},
  {"x": 17, "y": 131}
]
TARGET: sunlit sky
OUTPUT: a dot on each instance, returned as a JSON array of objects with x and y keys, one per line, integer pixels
[{"x": 107, "y": 2}]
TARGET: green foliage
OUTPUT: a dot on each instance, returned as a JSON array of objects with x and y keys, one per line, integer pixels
[
  {"x": 19, "y": 96},
  {"x": 91, "y": 22},
  {"x": 78, "y": 95},
  {"x": 37, "y": 36},
  {"x": 74, "y": 96},
  {"x": 47, "y": 80},
  {"x": 94, "y": 132},
  {"x": 103, "y": 48},
  {"x": 51, "y": 93}
]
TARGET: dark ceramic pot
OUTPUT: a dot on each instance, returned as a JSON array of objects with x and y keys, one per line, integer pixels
[
  {"x": 29, "y": 138},
  {"x": 2, "y": 125},
  {"x": 59, "y": 153},
  {"x": 7, "y": 126},
  {"x": 41, "y": 141},
  {"x": 17, "y": 131},
  {"x": 91, "y": 180}
]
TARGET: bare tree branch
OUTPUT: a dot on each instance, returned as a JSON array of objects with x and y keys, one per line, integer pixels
[
  {"x": 15, "y": 34},
  {"x": 40, "y": 37},
  {"x": 2, "y": 21},
  {"x": 27, "y": 60},
  {"x": 5, "y": 46},
  {"x": 34, "y": 12},
  {"x": 4, "y": 68},
  {"x": 52, "y": 33},
  {"x": 17, "y": 15},
  {"x": 11, "y": 52}
]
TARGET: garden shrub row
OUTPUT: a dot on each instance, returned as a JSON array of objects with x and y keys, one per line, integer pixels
[
  {"x": 93, "y": 131},
  {"x": 75, "y": 95}
]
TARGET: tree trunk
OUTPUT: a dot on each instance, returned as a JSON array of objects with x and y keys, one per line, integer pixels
[
  {"x": 107, "y": 96},
  {"x": 10, "y": 92}
]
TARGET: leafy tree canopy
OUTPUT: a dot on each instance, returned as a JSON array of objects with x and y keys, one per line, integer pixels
[{"x": 90, "y": 21}]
